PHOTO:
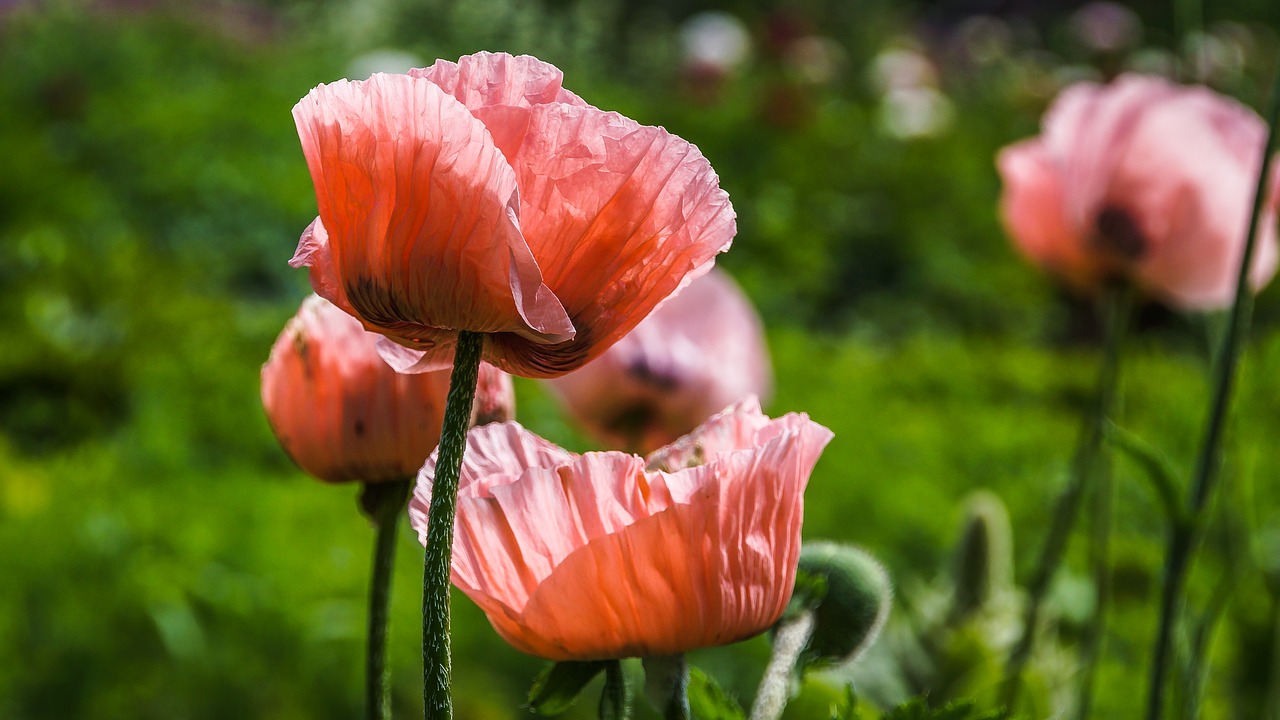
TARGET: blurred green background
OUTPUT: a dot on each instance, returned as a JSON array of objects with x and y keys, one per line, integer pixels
[{"x": 160, "y": 557}]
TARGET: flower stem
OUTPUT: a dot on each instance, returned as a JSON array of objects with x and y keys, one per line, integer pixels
[
  {"x": 1116, "y": 304},
  {"x": 666, "y": 681},
  {"x": 436, "y": 665},
  {"x": 1100, "y": 511},
  {"x": 383, "y": 502},
  {"x": 1184, "y": 536},
  {"x": 791, "y": 638}
]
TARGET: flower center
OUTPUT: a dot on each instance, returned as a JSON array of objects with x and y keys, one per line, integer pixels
[{"x": 1118, "y": 234}]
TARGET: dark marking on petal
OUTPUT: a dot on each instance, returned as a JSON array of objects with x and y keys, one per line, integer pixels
[{"x": 1118, "y": 234}]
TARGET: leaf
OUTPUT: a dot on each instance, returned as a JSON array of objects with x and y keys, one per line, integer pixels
[
  {"x": 708, "y": 701},
  {"x": 558, "y": 687},
  {"x": 1161, "y": 474}
]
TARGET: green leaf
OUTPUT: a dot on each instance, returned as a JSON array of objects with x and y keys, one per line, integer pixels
[
  {"x": 558, "y": 687},
  {"x": 708, "y": 701},
  {"x": 1159, "y": 471}
]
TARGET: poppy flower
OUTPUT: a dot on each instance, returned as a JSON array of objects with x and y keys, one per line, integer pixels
[
  {"x": 483, "y": 196},
  {"x": 343, "y": 414},
  {"x": 697, "y": 353},
  {"x": 1145, "y": 180},
  {"x": 609, "y": 555}
]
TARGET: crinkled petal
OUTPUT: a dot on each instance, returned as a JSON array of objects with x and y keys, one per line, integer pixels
[
  {"x": 619, "y": 216},
  {"x": 421, "y": 213},
  {"x": 500, "y": 90},
  {"x": 592, "y": 556}
]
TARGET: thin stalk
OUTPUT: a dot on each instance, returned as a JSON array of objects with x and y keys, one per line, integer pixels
[
  {"x": 791, "y": 638},
  {"x": 384, "y": 503},
  {"x": 1100, "y": 559},
  {"x": 1188, "y": 21},
  {"x": 1116, "y": 303},
  {"x": 1184, "y": 536},
  {"x": 436, "y": 663}
]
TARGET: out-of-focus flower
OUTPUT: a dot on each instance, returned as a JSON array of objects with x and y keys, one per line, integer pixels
[
  {"x": 699, "y": 352},
  {"x": 715, "y": 42},
  {"x": 713, "y": 46},
  {"x": 599, "y": 556},
  {"x": 814, "y": 59},
  {"x": 901, "y": 68},
  {"x": 343, "y": 414},
  {"x": 1146, "y": 180},
  {"x": 483, "y": 196},
  {"x": 1106, "y": 27}
]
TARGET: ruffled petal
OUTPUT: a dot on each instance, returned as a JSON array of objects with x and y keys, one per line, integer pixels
[
  {"x": 592, "y": 556},
  {"x": 500, "y": 90},
  {"x": 421, "y": 212},
  {"x": 619, "y": 216}
]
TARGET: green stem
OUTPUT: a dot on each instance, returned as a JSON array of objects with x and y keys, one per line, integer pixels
[
  {"x": 1116, "y": 302},
  {"x": 1188, "y": 20},
  {"x": 666, "y": 681},
  {"x": 383, "y": 502},
  {"x": 436, "y": 670},
  {"x": 790, "y": 639},
  {"x": 1100, "y": 559},
  {"x": 1184, "y": 536}
]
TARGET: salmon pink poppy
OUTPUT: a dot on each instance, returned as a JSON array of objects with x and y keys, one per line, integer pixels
[
  {"x": 696, "y": 354},
  {"x": 483, "y": 196},
  {"x": 1146, "y": 180},
  {"x": 607, "y": 555},
  {"x": 343, "y": 414}
]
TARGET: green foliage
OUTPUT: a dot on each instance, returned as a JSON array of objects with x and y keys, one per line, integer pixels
[
  {"x": 918, "y": 709},
  {"x": 557, "y": 687},
  {"x": 708, "y": 701},
  {"x": 167, "y": 561}
]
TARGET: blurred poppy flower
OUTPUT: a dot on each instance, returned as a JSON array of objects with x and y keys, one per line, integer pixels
[
  {"x": 1146, "y": 180},
  {"x": 343, "y": 414},
  {"x": 699, "y": 352},
  {"x": 483, "y": 196},
  {"x": 599, "y": 556}
]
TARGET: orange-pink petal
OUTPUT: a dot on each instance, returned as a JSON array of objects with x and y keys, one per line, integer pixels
[
  {"x": 619, "y": 216},
  {"x": 700, "y": 351},
  {"x": 593, "y": 556},
  {"x": 421, "y": 209}
]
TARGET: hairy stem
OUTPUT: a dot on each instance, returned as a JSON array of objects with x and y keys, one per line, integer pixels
[
  {"x": 436, "y": 663},
  {"x": 791, "y": 638}
]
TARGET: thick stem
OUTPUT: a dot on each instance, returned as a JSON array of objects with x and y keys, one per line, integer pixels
[
  {"x": 384, "y": 503},
  {"x": 791, "y": 638},
  {"x": 666, "y": 680},
  {"x": 1117, "y": 302},
  {"x": 436, "y": 665},
  {"x": 1184, "y": 536}
]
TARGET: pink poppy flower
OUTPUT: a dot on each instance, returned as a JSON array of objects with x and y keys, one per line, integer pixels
[
  {"x": 343, "y": 414},
  {"x": 483, "y": 196},
  {"x": 697, "y": 353},
  {"x": 1145, "y": 180},
  {"x": 607, "y": 555}
]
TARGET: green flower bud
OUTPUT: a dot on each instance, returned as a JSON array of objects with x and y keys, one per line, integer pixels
[
  {"x": 983, "y": 564},
  {"x": 849, "y": 593}
]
